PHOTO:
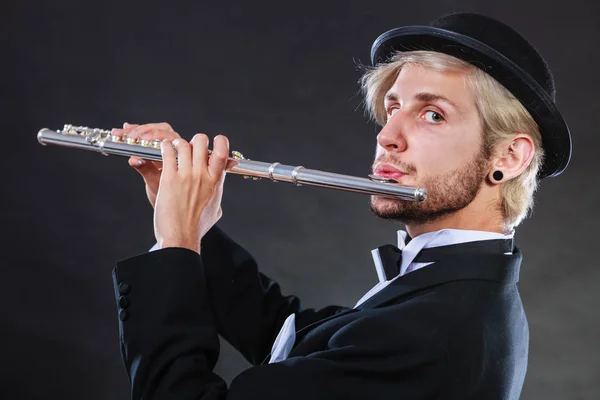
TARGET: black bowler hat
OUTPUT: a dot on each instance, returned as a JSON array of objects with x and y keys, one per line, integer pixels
[{"x": 505, "y": 55}]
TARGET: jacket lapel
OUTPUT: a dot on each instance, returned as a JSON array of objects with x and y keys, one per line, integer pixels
[{"x": 496, "y": 267}]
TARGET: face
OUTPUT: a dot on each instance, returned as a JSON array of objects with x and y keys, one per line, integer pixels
[{"x": 432, "y": 139}]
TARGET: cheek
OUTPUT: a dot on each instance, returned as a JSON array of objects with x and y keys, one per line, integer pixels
[{"x": 436, "y": 155}]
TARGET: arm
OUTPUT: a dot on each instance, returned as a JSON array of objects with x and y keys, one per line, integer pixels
[
  {"x": 170, "y": 346},
  {"x": 237, "y": 292},
  {"x": 247, "y": 306}
]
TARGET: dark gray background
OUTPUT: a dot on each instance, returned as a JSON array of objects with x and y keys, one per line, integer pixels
[{"x": 279, "y": 79}]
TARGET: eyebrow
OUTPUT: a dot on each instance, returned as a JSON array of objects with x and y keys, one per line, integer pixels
[{"x": 423, "y": 97}]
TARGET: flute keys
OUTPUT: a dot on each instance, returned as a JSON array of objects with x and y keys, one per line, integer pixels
[
  {"x": 237, "y": 155},
  {"x": 145, "y": 143},
  {"x": 131, "y": 140},
  {"x": 156, "y": 144},
  {"x": 115, "y": 138},
  {"x": 68, "y": 129}
]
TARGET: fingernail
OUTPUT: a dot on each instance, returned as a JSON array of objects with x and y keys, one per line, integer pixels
[
  {"x": 140, "y": 163},
  {"x": 125, "y": 124}
]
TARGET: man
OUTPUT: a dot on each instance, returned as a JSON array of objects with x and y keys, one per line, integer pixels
[{"x": 467, "y": 111}]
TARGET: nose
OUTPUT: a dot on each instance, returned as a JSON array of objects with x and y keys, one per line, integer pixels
[{"x": 392, "y": 136}]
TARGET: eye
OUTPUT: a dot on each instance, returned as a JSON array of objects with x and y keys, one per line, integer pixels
[
  {"x": 391, "y": 111},
  {"x": 433, "y": 117}
]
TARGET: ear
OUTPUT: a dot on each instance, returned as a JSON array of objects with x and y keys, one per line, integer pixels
[{"x": 513, "y": 157}]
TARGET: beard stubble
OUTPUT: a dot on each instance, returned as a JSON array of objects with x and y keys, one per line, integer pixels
[{"x": 446, "y": 194}]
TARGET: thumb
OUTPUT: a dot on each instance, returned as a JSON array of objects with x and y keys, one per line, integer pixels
[{"x": 146, "y": 169}]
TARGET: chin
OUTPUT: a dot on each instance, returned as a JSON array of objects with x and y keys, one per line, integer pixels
[
  {"x": 387, "y": 208},
  {"x": 408, "y": 212}
]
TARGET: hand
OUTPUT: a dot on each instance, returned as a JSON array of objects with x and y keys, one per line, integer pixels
[
  {"x": 191, "y": 187},
  {"x": 149, "y": 170}
]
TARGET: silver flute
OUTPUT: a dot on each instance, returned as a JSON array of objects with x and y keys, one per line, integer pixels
[{"x": 102, "y": 141}]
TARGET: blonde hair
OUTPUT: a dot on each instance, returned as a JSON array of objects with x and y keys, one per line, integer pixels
[{"x": 502, "y": 116}]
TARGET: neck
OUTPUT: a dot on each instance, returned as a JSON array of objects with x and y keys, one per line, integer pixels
[{"x": 482, "y": 214}]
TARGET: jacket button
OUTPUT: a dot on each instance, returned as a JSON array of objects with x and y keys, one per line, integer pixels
[
  {"x": 124, "y": 288},
  {"x": 123, "y": 302},
  {"x": 123, "y": 315}
]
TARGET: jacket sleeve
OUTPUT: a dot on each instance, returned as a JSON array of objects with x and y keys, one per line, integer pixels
[
  {"x": 248, "y": 308},
  {"x": 170, "y": 345}
]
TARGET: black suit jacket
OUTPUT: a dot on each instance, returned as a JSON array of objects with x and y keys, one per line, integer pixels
[{"x": 453, "y": 330}]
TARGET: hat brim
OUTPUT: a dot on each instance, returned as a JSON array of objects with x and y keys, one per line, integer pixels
[{"x": 556, "y": 138}]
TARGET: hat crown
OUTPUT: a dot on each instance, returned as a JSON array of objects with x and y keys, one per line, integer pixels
[{"x": 504, "y": 40}]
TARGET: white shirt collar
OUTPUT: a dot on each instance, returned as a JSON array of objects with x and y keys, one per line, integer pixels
[{"x": 442, "y": 237}]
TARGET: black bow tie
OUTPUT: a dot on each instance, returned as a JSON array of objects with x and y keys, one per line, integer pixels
[{"x": 391, "y": 256}]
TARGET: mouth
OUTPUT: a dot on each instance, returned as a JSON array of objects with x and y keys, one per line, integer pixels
[{"x": 388, "y": 172}]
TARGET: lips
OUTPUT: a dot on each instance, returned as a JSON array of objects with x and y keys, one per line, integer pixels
[{"x": 387, "y": 171}]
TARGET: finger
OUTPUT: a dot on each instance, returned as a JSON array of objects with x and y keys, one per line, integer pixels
[
  {"x": 124, "y": 132},
  {"x": 137, "y": 162},
  {"x": 218, "y": 158},
  {"x": 184, "y": 155},
  {"x": 231, "y": 163},
  {"x": 200, "y": 148},
  {"x": 159, "y": 134},
  {"x": 146, "y": 169},
  {"x": 127, "y": 125},
  {"x": 169, "y": 158},
  {"x": 145, "y": 131},
  {"x": 128, "y": 128}
]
